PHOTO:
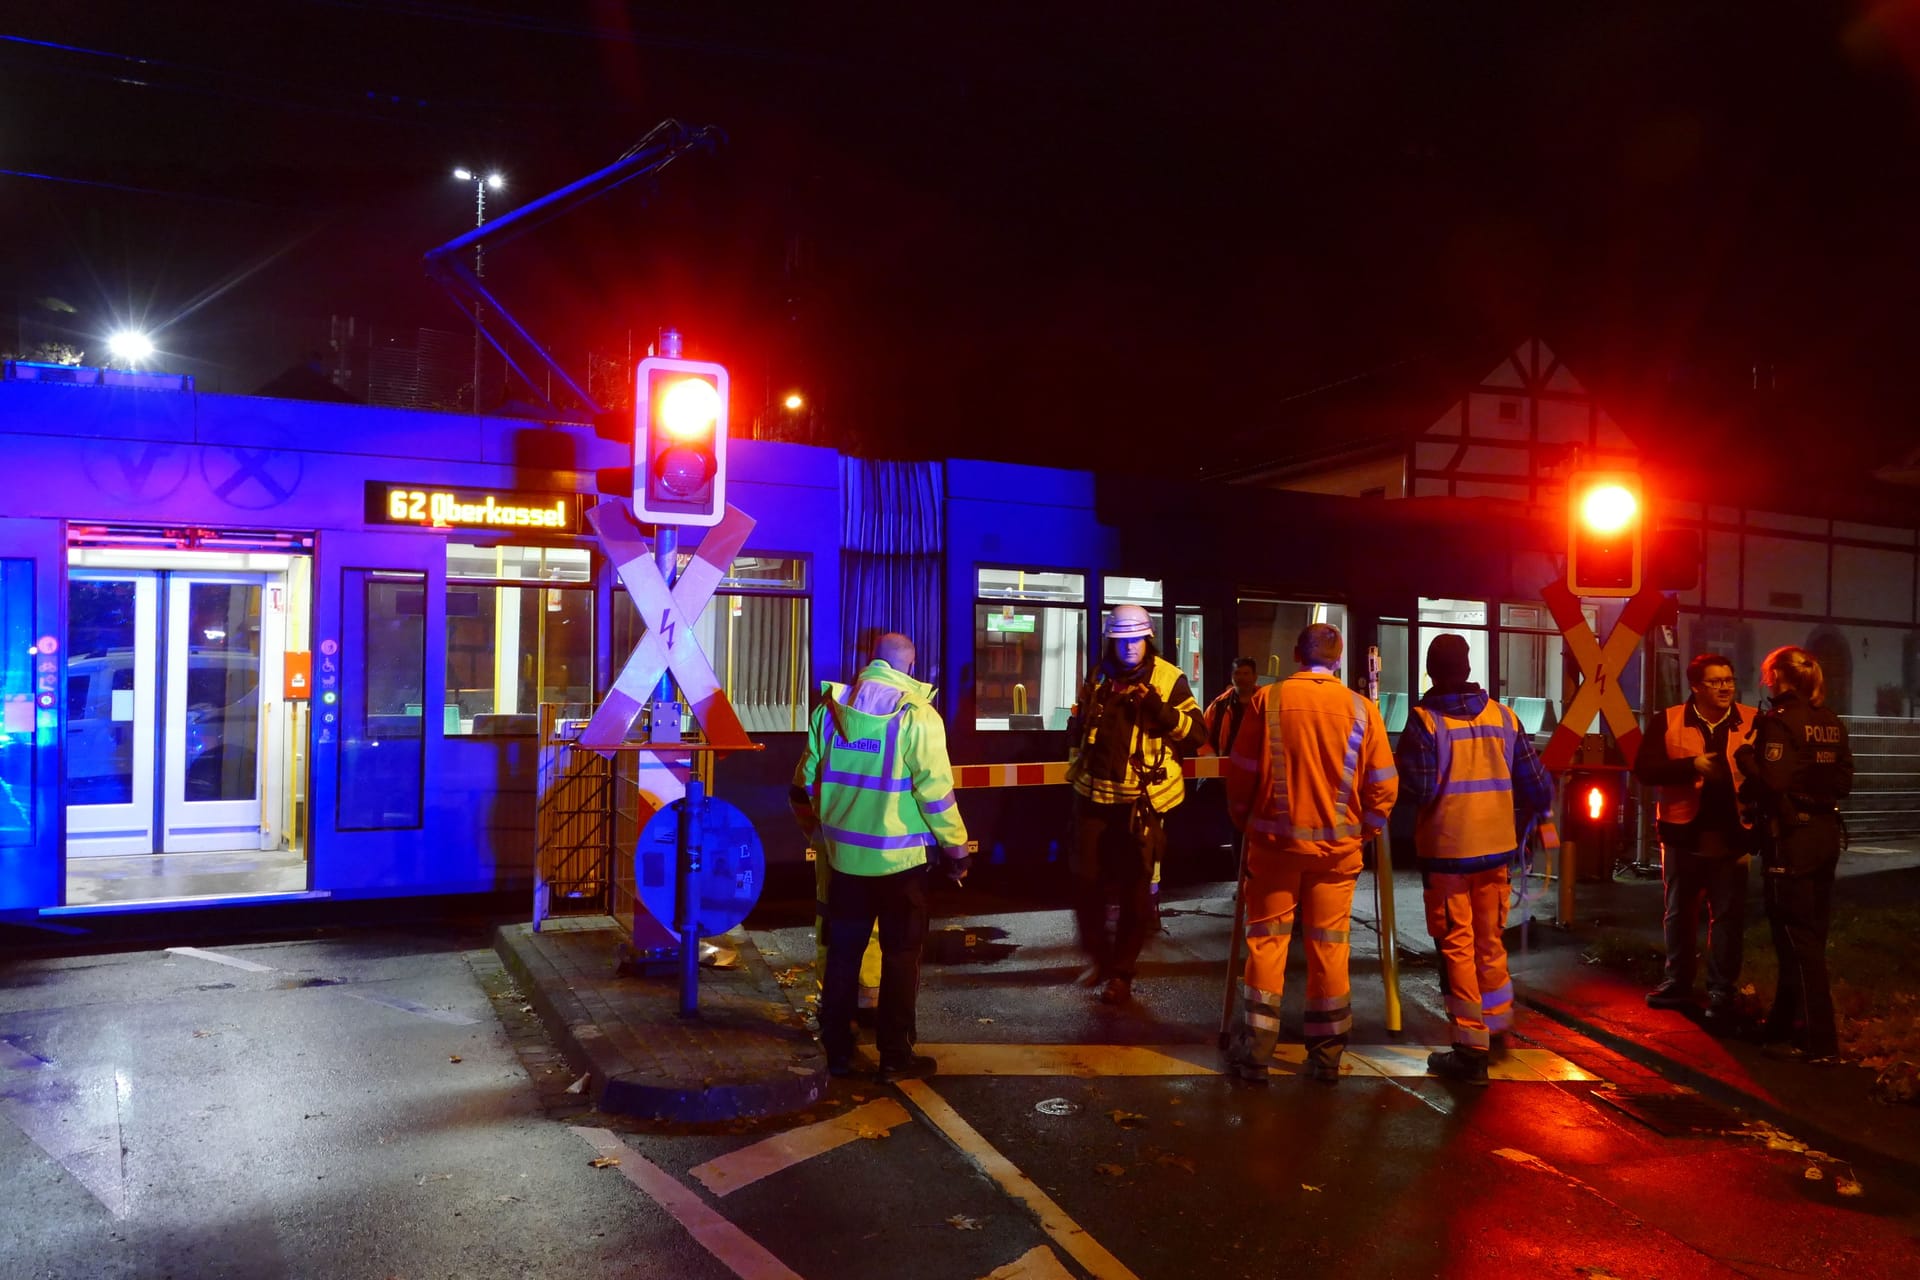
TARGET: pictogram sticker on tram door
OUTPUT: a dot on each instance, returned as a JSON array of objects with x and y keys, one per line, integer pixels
[
  {"x": 1600, "y": 667},
  {"x": 328, "y": 681}
]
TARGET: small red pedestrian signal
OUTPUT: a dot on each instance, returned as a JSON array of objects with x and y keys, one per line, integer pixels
[
  {"x": 1605, "y": 533},
  {"x": 680, "y": 441},
  {"x": 1596, "y": 804}
]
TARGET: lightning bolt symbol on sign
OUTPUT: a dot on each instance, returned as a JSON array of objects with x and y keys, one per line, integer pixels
[{"x": 667, "y": 627}]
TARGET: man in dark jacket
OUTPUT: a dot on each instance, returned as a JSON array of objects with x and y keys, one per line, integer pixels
[{"x": 1688, "y": 753}]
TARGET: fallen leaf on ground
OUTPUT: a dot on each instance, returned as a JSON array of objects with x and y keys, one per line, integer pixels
[
  {"x": 1813, "y": 1173},
  {"x": 961, "y": 1222},
  {"x": 201, "y": 1035},
  {"x": 453, "y": 1057},
  {"x": 605, "y": 1162},
  {"x": 580, "y": 1085},
  {"x": 1848, "y": 1186},
  {"x": 868, "y": 1131},
  {"x": 504, "y": 1199},
  {"x": 1110, "y": 1170},
  {"x": 425, "y": 1178},
  {"x": 984, "y": 1021},
  {"x": 1308, "y": 1186},
  {"x": 1126, "y": 1119},
  {"x": 1178, "y": 1162}
]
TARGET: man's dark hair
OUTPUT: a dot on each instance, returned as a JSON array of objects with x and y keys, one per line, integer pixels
[
  {"x": 1697, "y": 669},
  {"x": 1245, "y": 662}
]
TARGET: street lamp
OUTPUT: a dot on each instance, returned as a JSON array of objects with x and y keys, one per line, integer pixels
[
  {"x": 130, "y": 345},
  {"x": 481, "y": 184}
]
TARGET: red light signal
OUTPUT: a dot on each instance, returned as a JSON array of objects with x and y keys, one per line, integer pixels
[
  {"x": 680, "y": 441},
  {"x": 1596, "y": 804},
  {"x": 1606, "y": 522}
]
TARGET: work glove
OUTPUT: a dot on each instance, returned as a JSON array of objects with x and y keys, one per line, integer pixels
[
  {"x": 955, "y": 862},
  {"x": 1156, "y": 717}
]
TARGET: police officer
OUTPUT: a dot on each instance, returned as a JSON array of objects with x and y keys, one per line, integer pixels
[
  {"x": 1134, "y": 716},
  {"x": 1798, "y": 768}
]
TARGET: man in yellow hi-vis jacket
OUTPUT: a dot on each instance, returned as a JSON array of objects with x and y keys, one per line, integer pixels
[
  {"x": 1310, "y": 777},
  {"x": 881, "y": 791}
]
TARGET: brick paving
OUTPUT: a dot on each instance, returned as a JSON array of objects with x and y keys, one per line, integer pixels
[{"x": 746, "y": 1054}]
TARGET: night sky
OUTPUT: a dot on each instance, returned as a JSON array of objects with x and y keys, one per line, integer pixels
[{"x": 1096, "y": 233}]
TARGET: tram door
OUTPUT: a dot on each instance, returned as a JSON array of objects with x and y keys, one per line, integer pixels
[
  {"x": 173, "y": 679},
  {"x": 30, "y": 559}
]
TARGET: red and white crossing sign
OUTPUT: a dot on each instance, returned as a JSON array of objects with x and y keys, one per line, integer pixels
[
  {"x": 1600, "y": 667},
  {"x": 668, "y": 615}
]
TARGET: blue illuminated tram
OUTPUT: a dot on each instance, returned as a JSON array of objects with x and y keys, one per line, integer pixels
[{"x": 259, "y": 650}]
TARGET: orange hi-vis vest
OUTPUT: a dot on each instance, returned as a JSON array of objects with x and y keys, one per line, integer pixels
[
  {"x": 1310, "y": 761},
  {"x": 1468, "y": 824},
  {"x": 1680, "y": 803}
]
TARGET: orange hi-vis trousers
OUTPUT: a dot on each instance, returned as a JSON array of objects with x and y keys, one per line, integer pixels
[
  {"x": 1465, "y": 917},
  {"x": 1278, "y": 884}
]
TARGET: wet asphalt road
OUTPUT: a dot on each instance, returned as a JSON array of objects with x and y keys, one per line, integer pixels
[{"x": 167, "y": 1114}]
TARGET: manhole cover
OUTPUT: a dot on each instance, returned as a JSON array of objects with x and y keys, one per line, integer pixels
[
  {"x": 1672, "y": 1113},
  {"x": 1056, "y": 1107}
]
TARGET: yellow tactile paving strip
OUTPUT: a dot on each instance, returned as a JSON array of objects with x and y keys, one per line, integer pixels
[{"x": 1525, "y": 1066}]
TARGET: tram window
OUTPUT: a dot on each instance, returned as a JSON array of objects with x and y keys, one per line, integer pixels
[
  {"x": 382, "y": 728},
  {"x": 757, "y": 633},
  {"x": 1394, "y": 700},
  {"x": 17, "y": 657},
  {"x": 1265, "y": 631},
  {"x": 519, "y": 633},
  {"x": 1029, "y": 647},
  {"x": 1530, "y": 665}
]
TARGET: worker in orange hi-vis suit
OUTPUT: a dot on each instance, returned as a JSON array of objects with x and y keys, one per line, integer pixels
[{"x": 1310, "y": 777}]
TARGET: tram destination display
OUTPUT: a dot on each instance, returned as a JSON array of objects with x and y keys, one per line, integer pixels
[{"x": 427, "y": 507}]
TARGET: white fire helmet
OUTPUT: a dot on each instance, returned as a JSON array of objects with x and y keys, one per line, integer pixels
[{"x": 1128, "y": 622}]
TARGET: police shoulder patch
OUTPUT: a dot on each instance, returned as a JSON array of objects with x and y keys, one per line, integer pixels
[{"x": 1775, "y": 750}]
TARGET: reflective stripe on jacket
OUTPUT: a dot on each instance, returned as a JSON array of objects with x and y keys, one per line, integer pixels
[
  {"x": 1310, "y": 770},
  {"x": 1468, "y": 825},
  {"x": 1681, "y": 804},
  {"x": 881, "y": 784},
  {"x": 1165, "y": 785}
]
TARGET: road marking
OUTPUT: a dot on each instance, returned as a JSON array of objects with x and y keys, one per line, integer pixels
[
  {"x": 196, "y": 953},
  {"x": 1037, "y": 1263},
  {"x": 739, "y": 1252},
  {"x": 408, "y": 1006},
  {"x": 1063, "y": 1230},
  {"x": 1525, "y": 1066},
  {"x": 13, "y": 1057},
  {"x": 737, "y": 1169}
]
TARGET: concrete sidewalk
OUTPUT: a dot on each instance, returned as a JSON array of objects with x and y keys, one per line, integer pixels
[{"x": 1832, "y": 1108}]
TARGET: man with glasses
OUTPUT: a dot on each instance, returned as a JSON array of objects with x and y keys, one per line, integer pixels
[{"x": 1688, "y": 753}]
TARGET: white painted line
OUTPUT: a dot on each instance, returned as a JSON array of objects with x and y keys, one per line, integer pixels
[
  {"x": 196, "y": 953},
  {"x": 749, "y": 1164},
  {"x": 1037, "y": 1263},
  {"x": 14, "y": 1058},
  {"x": 408, "y": 1006},
  {"x": 1063, "y": 1230},
  {"x": 739, "y": 1252}
]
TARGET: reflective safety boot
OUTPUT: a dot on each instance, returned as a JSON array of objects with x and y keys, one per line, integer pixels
[{"x": 1456, "y": 1063}]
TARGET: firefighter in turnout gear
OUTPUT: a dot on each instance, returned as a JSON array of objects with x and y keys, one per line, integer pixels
[
  {"x": 1309, "y": 780},
  {"x": 1134, "y": 717},
  {"x": 1798, "y": 769},
  {"x": 879, "y": 791},
  {"x": 1467, "y": 763}
]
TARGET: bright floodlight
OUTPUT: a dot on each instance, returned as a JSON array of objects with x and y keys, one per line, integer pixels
[
  {"x": 463, "y": 174},
  {"x": 495, "y": 181},
  {"x": 130, "y": 344},
  {"x": 689, "y": 408},
  {"x": 1608, "y": 508},
  {"x": 794, "y": 401}
]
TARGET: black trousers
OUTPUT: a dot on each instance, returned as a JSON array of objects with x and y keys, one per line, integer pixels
[
  {"x": 1110, "y": 861},
  {"x": 1799, "y": 908},
  {"x": 899, "y": 903},
  {"x": 1721, "y": 883}
]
